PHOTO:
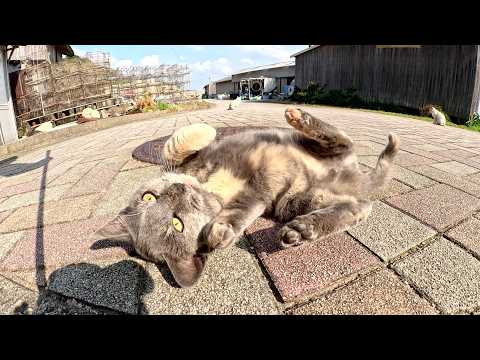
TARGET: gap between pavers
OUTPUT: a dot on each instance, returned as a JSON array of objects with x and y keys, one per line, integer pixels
[
  {"x": 124, "y": 184},
  {"x": 389, "y": 233},
  {"x": 15, "y": 299},
  {"x": 439, "y": 206},
  {"x": 445, "y": 273},
  {"x": 381, "y": 292},
  {"x": 313, "y": 268},
  {"x": 467, "y": 234},
  {"x": 233, "y": 283}
]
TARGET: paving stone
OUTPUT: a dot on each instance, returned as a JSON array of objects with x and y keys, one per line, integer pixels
[
  {"x": 466, "y": 184},
  {"x": 439, "y": 206},
  {"x": 406, "y": 176},
  {"x": 20, "y": 188},
  {"x": 96, "y": 180},
  {"x": 73, "y": 175},
  {"x": 4, "y": 215},
  {"x": 311, "y": 268},
  {"x": 428, "y": 147},
  {"x": 368, "y": 148},
  {"x": 34, "y": 197},
  {"x": 53, "y": 212},
  {"x": 14, "y": 299},
  {"x": 394, "y": 187},
  {"x": 232, "y": 283},
  {"x": 54, "y": 172},
  {"x": 135, "y": 164},
  {"x": 471, "y": 163},
  {"x": 447, "y": 274},
  {"x": 380, "y": 293},
  {"x": 20, "y": 179},
  {"x": 114, "y": 286},
  {"x": 61, "y": 244},
  {"x": 476, "y": 159},
  {"x": 407, "y": 159},
  {"x": 389, "y": 233},
  {"x": 122, "y": 188},
  {"x": 468, "y": 234},
  {"x": 8, "y": 241},
  {"x": 456, "y": 154},
  {"x": 456, "y": 168},
  {"x": 429, "y": 155},
  {"x": 475, "y": 178}
]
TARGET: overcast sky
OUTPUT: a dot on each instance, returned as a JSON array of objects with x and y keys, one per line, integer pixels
[{"x": 215, "y": 61}]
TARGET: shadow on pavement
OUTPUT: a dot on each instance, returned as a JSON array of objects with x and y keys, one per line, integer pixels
[
  {"x": 90, "y": 289},
  {"x": 162, "y": 268},
  {"x": 117, "y": 288},
  {"x": 265, "y": 240},
  {"x": 8, "y": 169}
]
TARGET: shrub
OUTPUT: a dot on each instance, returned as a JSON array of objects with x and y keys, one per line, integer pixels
[
  {"x": 315, "y": 94},
  {"x": 474, "y": 121},
  {"x": 162, "y": 106}
]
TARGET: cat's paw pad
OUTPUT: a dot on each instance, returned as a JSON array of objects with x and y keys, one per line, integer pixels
[
  {"x": 295, "y": 233},
  {"x": 220, "y": 235},
  {"x": 293, "y": 116}
]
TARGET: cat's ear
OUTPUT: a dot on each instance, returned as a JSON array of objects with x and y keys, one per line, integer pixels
[
  {"x": 186, "y": 271},
  {"x": 115, "y": 229}
]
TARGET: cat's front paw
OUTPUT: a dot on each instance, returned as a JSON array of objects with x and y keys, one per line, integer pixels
[
  {"x": 219, "y": 235},
  {"x": 295, "y": 233}
]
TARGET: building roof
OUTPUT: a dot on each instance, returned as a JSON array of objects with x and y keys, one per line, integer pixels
[
  {"x": 264, "y": 67},
  {"x": 227, "y": 78},
  {"x": 305, "y": 50}
]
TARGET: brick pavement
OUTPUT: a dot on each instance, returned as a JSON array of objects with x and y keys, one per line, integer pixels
[{"x": 418, "y": 253}]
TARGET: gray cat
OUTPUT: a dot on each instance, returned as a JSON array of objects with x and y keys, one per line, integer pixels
[{"x": 308, "y": 179}]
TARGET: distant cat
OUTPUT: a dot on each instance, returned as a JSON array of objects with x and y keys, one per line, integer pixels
[
  {"x": 438, "y": 117},
  {"x": 307, "y": 178},
  {"x": 234, "y": 104}
]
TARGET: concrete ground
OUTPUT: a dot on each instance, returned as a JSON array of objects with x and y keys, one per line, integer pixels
[{"x": 418, "y": 253}]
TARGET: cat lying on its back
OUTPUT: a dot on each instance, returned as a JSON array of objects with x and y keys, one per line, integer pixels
[{"x": 307, "y": 178}]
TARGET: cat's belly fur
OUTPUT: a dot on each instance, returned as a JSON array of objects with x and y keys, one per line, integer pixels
[{"x": 270, "y": 171}]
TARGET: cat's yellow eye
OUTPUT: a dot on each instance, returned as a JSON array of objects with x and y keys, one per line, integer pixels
[
  {"x": 177, "y": 224},
  {"x": 149, "y": 197}
]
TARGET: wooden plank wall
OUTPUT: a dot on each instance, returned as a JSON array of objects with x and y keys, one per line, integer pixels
[{"x": 412, "y": 77}]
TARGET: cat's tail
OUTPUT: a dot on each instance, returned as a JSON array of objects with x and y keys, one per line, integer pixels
[{"x": 381, "y": 174}]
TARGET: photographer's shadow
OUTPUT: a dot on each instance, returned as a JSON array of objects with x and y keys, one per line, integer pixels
[
  {"x": 119, "y": 287},
  {"x": 162, "y": 268}
]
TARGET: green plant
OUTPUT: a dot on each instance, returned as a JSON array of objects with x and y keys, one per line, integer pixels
[
  {"x": 474, "y": 121},
  {"x": 162, "y": 106},
  {"x": 316, "y": 94}
]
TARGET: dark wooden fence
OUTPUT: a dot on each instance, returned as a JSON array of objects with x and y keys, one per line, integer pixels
[{"x": 411, "y": 77}]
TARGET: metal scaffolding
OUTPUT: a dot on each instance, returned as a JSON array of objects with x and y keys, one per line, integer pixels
[
  {"x": 164, "y": 82},
  {"x": 99, "y": 58},
  {"x": 60, "y": 91}
]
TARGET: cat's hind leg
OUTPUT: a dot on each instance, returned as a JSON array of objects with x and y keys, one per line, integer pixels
[
  {"x": 324, "y": 222},
  {"x": 332, "y": 141},
  {"x": 186, "y": 141}
]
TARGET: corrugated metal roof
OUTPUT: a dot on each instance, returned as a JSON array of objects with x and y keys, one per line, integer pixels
[
  {"x": 305, "y": 50},
  {"x": 263, "y": 67}
]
